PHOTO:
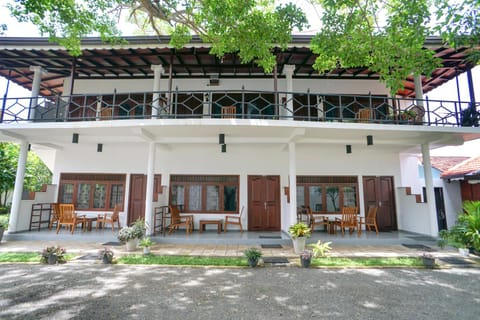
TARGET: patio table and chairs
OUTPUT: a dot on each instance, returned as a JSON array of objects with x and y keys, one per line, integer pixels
[
  {"x": 348, "y": 220},
  {"x": 69, "y": 218},
  {"x": 109, "y": 218}
]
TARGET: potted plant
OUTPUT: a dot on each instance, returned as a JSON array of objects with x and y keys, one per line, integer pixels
[
  {"x": 146, "y": 243},
  {"x": 253, "y": 255},
  {"x": 53, "y": 255},
  {"x": 320, "y": 249},
  {"x": 428, "y": 260},
  {"x": 299, "y": 232},
  {"x": 455, "y": 237},
  {"x": 306, "y": 258},
  {"x": 3, "y": 225},
  {"x": 106, "y": 255},
  {"x": 132, "y": 234}
]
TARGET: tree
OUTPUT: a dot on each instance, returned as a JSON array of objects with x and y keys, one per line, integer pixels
[
  {"x": 36, "y": 172},
  {"x": 387, "y": 36}
]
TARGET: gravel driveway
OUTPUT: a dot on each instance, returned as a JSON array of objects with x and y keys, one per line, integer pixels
[{"x": 95, "y": 291}]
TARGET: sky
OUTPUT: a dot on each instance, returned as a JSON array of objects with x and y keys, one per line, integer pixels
[{"x": 447, "y": 91}]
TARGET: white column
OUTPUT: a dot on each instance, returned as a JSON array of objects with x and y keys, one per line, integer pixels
[
  {"x": 157, "y": 76},
  {"x": 427, "y": 168},
  {"x": 37, "y": 79},
  {"x": 292, "y": 175},
  {"x": 417, "y": 80},
  {"x": 18, "y": 189},
  {"x": 149, "y": 191},
  {"x": 288, "y": 71}
]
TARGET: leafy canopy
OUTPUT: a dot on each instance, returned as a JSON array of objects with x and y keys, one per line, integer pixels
[{"x": 387, "y": 36}]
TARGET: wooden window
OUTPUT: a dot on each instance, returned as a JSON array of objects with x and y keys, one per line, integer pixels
[
  {"x": 96, "y": 192},
  {"x": 327, "y": 194},
  {"x": 205, "y": 193}
]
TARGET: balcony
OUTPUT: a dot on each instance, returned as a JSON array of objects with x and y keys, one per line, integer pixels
[{"x": 269, "y": 105}]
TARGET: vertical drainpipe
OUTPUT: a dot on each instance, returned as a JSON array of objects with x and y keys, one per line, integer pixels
[
  {"x": 157, "y": 76},
  {"x": 427, "y": 168},
  {"x": 18, "y": 189},
  {"x": 37, "y": 79},
  {"x": 292, "y": 177},
  {"x": 149, "y": 189},
  {"x": 288, "y": 70},
  {"x": 471, "y": 91}
]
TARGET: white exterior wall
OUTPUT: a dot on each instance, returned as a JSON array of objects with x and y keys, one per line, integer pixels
[
  {"x": 415, "y": 216},
  {"x": 325, "y": 86},
  {"x": 240, "y": 159},
  {"x": 23, "y": 222}
]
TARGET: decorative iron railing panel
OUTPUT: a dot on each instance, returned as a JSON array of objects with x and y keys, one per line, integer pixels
[{"x": 299, "y": 106}]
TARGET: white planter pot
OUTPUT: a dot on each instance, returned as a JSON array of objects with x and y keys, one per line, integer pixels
[
  {"x": 464, "y": 252},
  {"x": 131, "y": 245},
  {"x": 299, "y": 244},
  {"x": 146, "y": 250}
]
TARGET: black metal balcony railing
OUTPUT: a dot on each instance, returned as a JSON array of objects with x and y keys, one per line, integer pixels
[{"x": 302, "y": 106}]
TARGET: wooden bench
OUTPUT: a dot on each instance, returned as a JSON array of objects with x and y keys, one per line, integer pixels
[{"x": 203, "y": 223}]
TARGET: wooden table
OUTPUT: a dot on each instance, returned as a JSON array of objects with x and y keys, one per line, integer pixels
[
  {"x": 331, "y": 228},
  {"x": 88, "y": 222},
  {"x": 203, "y": 223}
]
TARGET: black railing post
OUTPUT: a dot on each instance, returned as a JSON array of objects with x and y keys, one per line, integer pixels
[
  {"x": 308, "y": 105},
  {"x": 243, "y": 102},
  {"x": 175, "y": 106},
  {"x": 427, "y": 110}
]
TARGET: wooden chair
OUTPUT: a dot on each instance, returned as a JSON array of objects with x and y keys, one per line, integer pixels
[
  {"x": 69, "y": 218},
  {"x": 348, "y": 220},
  {"x": 316, "y": 220},
  {"x": 55, "y": 215},
  {"x": 364, "y": 115},
  {"x": 179, "y": 221},
  {"x": 235, "y": 220},
  {"x": 369, "y": 221},
  {"x": 104, "y": 219},
  {"x": 229, "y": 112}
]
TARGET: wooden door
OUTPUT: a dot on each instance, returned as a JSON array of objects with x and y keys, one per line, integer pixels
[
  {"x": 264, "y": 203},
  {"x": 138, "y": 196},
  {"x": 378, "y": 191}
]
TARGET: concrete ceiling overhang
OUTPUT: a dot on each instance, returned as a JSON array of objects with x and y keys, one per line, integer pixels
[{"x": 398, "y": 138}]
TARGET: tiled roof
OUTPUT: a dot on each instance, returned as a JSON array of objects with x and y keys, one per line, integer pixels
[
  {"x": 468, "y": 167},
  {"x": 443, "y": 163}
]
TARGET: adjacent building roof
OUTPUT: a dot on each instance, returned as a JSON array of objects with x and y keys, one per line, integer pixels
[
  {"x": 134, "y": 59},
  {"x": 443, "y": 163},
  {"x": 468, "y": 169}
]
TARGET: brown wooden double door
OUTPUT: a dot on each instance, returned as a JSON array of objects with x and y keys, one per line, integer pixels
[
  {"x": 379, "y": 191},
  {"x": 264, "y": 203}
]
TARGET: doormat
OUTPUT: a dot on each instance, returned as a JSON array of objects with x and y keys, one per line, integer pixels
[
  {"x": 270, "y": 237},
  {"x": 275, "y": 260},
  {"x": 421, "y": 238},
  {"x": 454, "y": 260},
  {"x": 420, "y": 247},
  {"x": 112, "y": 244},
  {"x": 273, "y": 246}
]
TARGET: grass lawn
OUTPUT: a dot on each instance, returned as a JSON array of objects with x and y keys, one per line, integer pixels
[
  {"x": 334, "y": 262},
  {"x": 16, "y": 257},
  {"x": 367, "y": 262}
]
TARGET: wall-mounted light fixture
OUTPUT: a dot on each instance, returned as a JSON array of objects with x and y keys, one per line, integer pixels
[
  {"x": 224, "y": 148},
  {"x": 221, "y": 138},
  {"x": 75, "y": 138},
  {"x": 348, "y": 148},
  {"x": 99, "y": 147},
  {"x": 369, "y": 140}
]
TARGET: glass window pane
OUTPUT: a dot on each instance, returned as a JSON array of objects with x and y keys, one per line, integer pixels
[
  {"x": 300, "y": 196},
  {"x": 178, "y": 195},
  {"x": 195, "y": 198},
  {"x": 333, "y": 199},
  {"x": 66, "y": 193},
  {"x": 315, "y": 193},
  {"x": 116, "y": 195},
  {"x": 350, "y": 196},
  {"x": 99, "y": 196},
  {"x": 83, "y": 196},
  {"x": 230, "y": 202},
  {"x": 213, "y": 198}
]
